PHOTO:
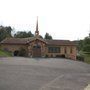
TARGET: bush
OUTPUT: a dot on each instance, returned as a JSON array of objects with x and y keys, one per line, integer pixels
[
  {"x": 86, "y": 52},
  {"x": 5, "y": 53},
  {"x": 87, "y": 58},
  {"x": 80, "y": 58},
  {"x": 86, "y": 48},
  {"x": 22, "y": 52},
  {"x": 46, "y": 56}
]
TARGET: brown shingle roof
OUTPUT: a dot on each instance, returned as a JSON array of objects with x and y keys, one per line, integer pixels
[
  {"x": 60, "y": 42},
  {"x": 28, "y": 40},
  {"x": 14, "y": 41}
]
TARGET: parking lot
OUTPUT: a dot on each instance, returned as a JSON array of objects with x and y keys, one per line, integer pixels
[{"x": 19, "y": 73}]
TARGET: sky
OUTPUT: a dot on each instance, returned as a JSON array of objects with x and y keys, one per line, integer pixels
[{"x": 62, "y": 19}]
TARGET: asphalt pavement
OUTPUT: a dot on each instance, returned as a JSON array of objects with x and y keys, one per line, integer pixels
[{"x": 19, "y": 73}]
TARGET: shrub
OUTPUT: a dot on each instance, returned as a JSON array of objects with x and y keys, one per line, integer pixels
[
  {"x": 5, "y": 53},
  {"x": 86, "y": 52},
  {"x": 22, "y": 52},
  {"x": 86, "y": 48},
  {"x": 46, "y": 56},
  {"x": 80, "y": 58}
]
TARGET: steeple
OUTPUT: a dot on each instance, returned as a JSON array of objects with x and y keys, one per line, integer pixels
[{"x": 37, "y": 32}]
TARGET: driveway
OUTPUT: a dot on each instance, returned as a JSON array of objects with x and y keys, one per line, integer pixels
[{"x": 18, "y": 73}]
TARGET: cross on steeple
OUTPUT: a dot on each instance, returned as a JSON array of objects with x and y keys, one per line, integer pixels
[{"x": 37, "y": 32}]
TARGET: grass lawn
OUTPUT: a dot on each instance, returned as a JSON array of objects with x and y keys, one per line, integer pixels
[
  {"x": 87, "y": 58},
  {"x": 4, "y": 53}
]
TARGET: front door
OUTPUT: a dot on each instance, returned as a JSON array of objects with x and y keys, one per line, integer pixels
[{"x": 37, "y": 51}]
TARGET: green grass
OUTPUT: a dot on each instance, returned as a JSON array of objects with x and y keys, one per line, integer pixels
[
  {"x": 87, "y": 58},
  {"x": 5, "y": 53}
]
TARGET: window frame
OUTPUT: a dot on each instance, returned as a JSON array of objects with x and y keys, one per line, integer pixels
[{"x": 54, "y": 49}]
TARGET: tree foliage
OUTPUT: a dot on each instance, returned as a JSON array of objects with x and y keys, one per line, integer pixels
[
  {"x": 5, "y": 32},
  {"x": 47, "y": 36},
  {"x": 84, "y": 44},
  {"x": 79, "y": 44},
  {"x": 23, "y": 34},
  {"x": 86, "y": 48},
  {"x": 86, "y": 41},
  {"x": 40, "y": 36}
]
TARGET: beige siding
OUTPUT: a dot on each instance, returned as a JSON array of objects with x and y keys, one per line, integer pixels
[{"x": 68, "y": 54}]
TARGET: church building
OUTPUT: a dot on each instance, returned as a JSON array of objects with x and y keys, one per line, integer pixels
[{"x": 38, "y": 47}]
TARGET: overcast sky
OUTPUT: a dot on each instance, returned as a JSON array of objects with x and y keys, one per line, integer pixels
[{"x": 63, "y": 19}]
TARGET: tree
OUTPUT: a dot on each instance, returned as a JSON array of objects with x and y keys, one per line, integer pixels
[
  {"x": 5, "y": 32},
  {"x": 86, "y": 44},
  {"x": 86, "y": 48},
  {"x": 79, "y": 44},
  {"x": 29, "y": 34},
  {"x": 40, "y": 36},
  {"x": 47, "y": 36},
  {"x": 8, "y": 31},
  {"x": 86, "y": 40},
  {"x": 20, "y": 34},
  {"x": 23, "y": 34}
]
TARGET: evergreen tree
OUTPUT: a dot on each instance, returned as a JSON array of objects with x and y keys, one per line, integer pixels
[
  {"x": 5, "y": 32},
  {"x": 86, "y": 44},
  {"x": 23, "y": 34},
  {"x": 47, "y": 36}
]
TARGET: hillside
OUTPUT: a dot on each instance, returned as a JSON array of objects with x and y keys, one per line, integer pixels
[{"x": 4, "y": 53}]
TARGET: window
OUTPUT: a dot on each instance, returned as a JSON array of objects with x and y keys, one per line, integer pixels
[
  {"x": 54, "y": 49},
  {"x": 71, "y": 50},
  {"x": 50, "y": 49},
  {"x": 65, "y": 49}
]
